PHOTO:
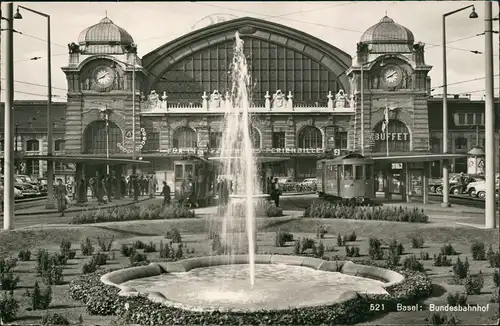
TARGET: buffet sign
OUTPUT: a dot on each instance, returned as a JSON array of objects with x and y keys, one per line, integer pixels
[{"x": 218, "y": 151}]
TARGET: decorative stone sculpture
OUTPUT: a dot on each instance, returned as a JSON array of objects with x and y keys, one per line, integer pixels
[
  {"x": 164, "y": 103},
  {"x": 278, "y": 99},
  {"x": 73, "y": 48},
  {"x": 330, "y": 100},
  {"x": 290, "y": 100},
  {"x": 375, "y": 82},
  {"x": 153, "y": 100},
  {"x": 267, "y": 103},
  {"x": 340, "y": 100},
  {"x": 86, "y": 85},
  {"x": 216, "y": 99},
  {"x": 204, "y": 103},
  {"x": 354, "y": 83}
]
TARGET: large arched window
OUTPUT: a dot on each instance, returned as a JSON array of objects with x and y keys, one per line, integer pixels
[
  {"x": 95, "y": 140},
  {"x": 255, "y": 136},
  {"x": 185, "y": 137},
  {"x": 310, "y": 137},
  {"x": 33, "y": 145},
  {"x": 396, "y": 135}
]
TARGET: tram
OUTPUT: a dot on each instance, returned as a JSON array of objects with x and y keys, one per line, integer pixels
[
  {"x": 193, "y": 181},
  {"x": 348, "y": 176}
]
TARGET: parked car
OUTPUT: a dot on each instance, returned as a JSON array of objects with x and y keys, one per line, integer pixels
[
  {"x": 285, "y": 180},
  {"x": 309, "y": 181},
  {"x": 27, "y": 179},
  {"x": 27, "y": 190},
  {"x": 18, "y": 193},
  {"x": 43, "y": 185},
  {"x": 478, "y": 188}
]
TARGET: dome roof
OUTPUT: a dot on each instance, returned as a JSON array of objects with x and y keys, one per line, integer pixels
[
  {"x": 104, "y": 37},
  {"x": 387, "y": 31}
]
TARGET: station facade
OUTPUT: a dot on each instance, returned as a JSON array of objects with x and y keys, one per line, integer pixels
[{"x": 308, "y": 99}]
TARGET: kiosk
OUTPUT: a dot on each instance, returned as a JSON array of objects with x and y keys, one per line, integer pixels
[
  {"x": 193, "y": 178},
  {"x": 475, "y": 161},
  {"x": 347, "y": 176}
]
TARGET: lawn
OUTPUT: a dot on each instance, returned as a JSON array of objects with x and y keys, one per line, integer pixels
[{"x": 194, "y": 235}]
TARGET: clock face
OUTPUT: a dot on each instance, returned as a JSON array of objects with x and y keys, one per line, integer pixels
[
  {"x": 104, "y": 77},
  {"x": 391, "y": 76}
]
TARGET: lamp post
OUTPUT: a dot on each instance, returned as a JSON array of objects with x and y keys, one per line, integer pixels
[
  {"x": 50, "y": 163},
  {"x": 8, "y": 195},
  {"x": 446, "y": 177},
  {"x": 105, "y": 116},
  {"x": 489, "y": 119}
]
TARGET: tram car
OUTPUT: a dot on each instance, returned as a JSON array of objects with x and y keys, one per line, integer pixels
[
  {"x": 193, "y": 181},
  {"x": 347, "y": 177}
]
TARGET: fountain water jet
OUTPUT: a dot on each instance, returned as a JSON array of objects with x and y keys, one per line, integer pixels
[{"x": 237, "y": 158}]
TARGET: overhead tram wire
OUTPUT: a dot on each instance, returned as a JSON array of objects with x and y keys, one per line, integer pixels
[{"x": 329, "y": 26}]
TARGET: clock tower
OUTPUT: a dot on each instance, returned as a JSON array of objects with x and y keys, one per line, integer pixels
[
  {"x": 390, "y": 84},
  {"x": 100, "y": 91}
]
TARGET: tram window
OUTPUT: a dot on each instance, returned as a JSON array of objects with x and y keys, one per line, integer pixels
[
  {"x": 368, "y": 172},
  {"x": 189, "y": 170},
  {"x": 347, "y": 172},
  {"x": 359, "y": 172},
  {"x": 178, "y": 171}
]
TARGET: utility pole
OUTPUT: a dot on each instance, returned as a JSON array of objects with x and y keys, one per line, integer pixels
[
  {"x": 490, "y": 150},
  {"x": 8, "y": 195}
]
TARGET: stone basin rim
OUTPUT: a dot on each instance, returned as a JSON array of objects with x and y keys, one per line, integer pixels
[{"x": 117, "y": 278}]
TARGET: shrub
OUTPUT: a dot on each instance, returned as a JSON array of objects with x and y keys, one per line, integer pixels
[
  {"x": 104, "y": 244},
  {"x": 151, "y": 247},
  {"x": 417, "y": 241},
  {"x": 139, "y": 244},
  {"x": 474, "y": 284},
  {"x": 177, "y": 211},
  {"x": 48, "y": 267},
  {"x": 296, "y": 247},
  {"x": 8, "y": 307},
  {"x": 457, "y": 299},
  {"x": 54, "y": 275},
  {"x": 441, "y": 260},
  {"x": 174, "y": 234},
  {"x": 86, "y": 247},
  {"x": 320, "y": 250},
  {"x": 341, "y": 211},
  {"x": 273, "y": 211},
  {"x": 375, "y": 251},
  {"x": 478, "y": 250},
  {"x": 393, "y": 258},
  {"x": 8, "y": 281},
  {"x": 24, "y": 255},
  {"x": 100, "y": 259},
  {"x": 54, "y": 319},
  {"x": 165, "y": 250},
  {"x": 424, "y": 255},
  {"x": 448, "y": 250},
  {"x": 340, "y": 241},
  {"x": 129, "y": 213},
  {"x": 138, "y": 259},
  {"x": 321, "y": 230},
  {"x": 306, "y": 243},
  {"x": 281, "y": 238},
  {"x": 413, "y": 264},
  {"x": 89, "y": 267},
  {"x": 436, "y": 318},
  {"x": 40, "y": 300},
  {"x": 396, "y": 247},
  {"x": 461, "y": 269},
  {"x": 350, "y": 237},
  {"x": 496, "y": 278},
  {"x": 352, "y": 251},
  {"x": 126, "y": 251},
  {"x": 493, "y": 257},
  {"x": 66, "y": 251}
]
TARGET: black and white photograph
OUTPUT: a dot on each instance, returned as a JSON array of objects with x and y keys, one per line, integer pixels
[{"x": 250, "y": 163}]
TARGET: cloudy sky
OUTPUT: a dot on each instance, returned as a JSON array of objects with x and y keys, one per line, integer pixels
[{"x": 339, "y": 23}]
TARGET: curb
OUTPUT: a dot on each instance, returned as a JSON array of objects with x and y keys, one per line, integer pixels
[{"x": 79, "y": 209}]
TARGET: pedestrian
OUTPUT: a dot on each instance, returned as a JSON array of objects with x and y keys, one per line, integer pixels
[
  {"x": 92, "y": 183},
  {"x": 1, "y": 193},
  {"x": 103, "y": 190},
  {"x": 151, "y": 187},
  {"x": 166, "y": 194},
  {"x": 61, "y": 196},
  {"x": 276, "y": 192},
  {"x": 82, "y": 192}
]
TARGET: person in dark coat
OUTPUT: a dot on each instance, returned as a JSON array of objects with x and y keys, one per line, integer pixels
[
  {"x": 276, "y": 192},
  {"x": 123, "y": 186},
  {"x": 166, "y": 194},
  {"x": 61, "y": 193},
  {"x": 92, "y": 183},
  {"x": 82, "y": 191},
  {"x": 103, "y": 190}
]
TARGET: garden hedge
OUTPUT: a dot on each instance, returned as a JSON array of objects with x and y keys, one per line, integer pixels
[{"x": 102, "y": 299}]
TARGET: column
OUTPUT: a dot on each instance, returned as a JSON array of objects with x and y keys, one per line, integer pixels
[
  {"x": 425, "y": 183},
  {"x": 388, "y": 181}
]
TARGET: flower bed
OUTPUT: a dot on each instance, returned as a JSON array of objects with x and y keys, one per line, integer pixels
[
  {"x": 263, "y": 208},
  {"x": 103, "y": 299},
  {"x": 131, "y": 213},
  {"x": 395, "y": 214}
]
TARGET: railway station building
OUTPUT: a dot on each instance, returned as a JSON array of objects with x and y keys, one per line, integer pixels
[{"x": 308, "y": 99}]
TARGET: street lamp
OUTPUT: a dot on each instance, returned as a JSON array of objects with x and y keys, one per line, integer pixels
[
  {"x": 50, "y": 163},
  {"x": 105, "y": 116},
  {"x": 446, "y": 177}
]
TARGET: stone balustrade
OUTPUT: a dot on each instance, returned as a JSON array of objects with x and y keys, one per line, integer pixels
[{"x": 218, "y": 103}]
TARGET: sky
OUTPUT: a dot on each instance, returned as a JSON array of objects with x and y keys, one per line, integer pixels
[{"x": 341, "y": 24}]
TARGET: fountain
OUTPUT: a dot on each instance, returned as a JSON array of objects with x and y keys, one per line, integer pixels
[{"x": 236, "y": 282}]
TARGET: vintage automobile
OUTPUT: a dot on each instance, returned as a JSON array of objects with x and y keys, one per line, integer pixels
[
  {"x": 455, "y": 187},
  {"x": 27, "y": 179},
  {"x": 478, "y": 188}
]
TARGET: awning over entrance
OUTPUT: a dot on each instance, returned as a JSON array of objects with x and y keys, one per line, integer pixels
[
  {"x": 86, "y": 159},
  {"x": 417, "y": 157}
]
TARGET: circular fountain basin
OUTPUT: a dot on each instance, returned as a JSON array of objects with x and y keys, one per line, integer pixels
[{"x": 222, "y": 282}]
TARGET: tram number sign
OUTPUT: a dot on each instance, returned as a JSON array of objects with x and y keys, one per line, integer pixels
[{"x": 397, "y": 166}]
